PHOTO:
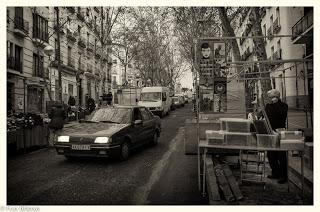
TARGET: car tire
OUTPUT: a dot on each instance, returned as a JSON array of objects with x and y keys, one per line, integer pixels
[
  {"x": 68, "y": 157},
  {"x": 154, "y": 140},
  {"x": 124, "y": 151}
]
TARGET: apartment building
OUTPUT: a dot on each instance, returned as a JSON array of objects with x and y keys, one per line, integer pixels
[
  {"x": 293, "y": 79},
  {"x": 33, "y": 77}
]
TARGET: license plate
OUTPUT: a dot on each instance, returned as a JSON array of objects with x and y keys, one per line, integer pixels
[{"x": 80, "y": 147}]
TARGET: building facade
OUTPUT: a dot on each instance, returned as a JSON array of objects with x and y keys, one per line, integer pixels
[
  {"x": 293, "y": 79},
  {"x": 33, "y": 76}
]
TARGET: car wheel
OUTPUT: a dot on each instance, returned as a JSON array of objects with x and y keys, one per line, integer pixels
[
  {"x": 154, "y": 139},
  {"x": 68, "y": 157},
  {"x": 125, "y": 151}
]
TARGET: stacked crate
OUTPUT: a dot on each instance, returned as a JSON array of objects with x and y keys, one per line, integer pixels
[{"x": 237, "y": 131}]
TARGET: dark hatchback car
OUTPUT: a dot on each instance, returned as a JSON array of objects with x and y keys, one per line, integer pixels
[{"x": 110, "y": 132}]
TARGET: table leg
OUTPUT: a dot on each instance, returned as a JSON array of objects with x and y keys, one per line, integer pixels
[
  {"x": 199, "y": 177},
  {"x": 287, "y": 155},
  {"x": 240, "y": 154},
  {"x": 204, "y": 173},
  {"x": 302, "y": 175}
]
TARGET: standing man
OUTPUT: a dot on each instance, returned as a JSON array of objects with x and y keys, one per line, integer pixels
[
  {"x": 277, "y": 112},
  {"x": 57, "y": 115}
]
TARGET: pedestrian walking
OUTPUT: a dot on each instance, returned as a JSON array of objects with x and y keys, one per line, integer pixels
[
  {"x": 57, "y": 115},
  {"x": 91, "y": 105},
  {"x": 277, "y": 112}
]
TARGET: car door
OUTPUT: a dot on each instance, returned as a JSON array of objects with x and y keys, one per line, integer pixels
[
  {"x": 148, "y": 124},
  {"x": 137, "y": 129}
]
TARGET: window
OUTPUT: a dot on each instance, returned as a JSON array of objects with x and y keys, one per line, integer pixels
[
  {"x": 70, "y": 89},
  {"x": 37, "y": 65},
  {"x": 35, "y": 99},
  {"x": 89, "y": 87},
  {"x": 18, "y": 12},
  {"x": 271, "y": 22},
  {"x": 9, "y": 49},
  {"x": 272, "y": 52},
  {"x": 40, "y": 27},
  {"x": 145, "y": 115},
  {"x": 69, "y": 53}
]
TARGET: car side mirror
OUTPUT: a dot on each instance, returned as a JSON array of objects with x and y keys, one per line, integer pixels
[{"x": 138, "y": 122}]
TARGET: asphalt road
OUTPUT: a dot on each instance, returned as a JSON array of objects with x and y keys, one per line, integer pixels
[{"x": 45, "y": 178}]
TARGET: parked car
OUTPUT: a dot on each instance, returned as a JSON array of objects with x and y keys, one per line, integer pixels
[
  {"x": 172, "y": 106},
  {"x": 176, "y": 101},
  {"x": 110, "y": 132},
  {"x": 181, "y": 99}
]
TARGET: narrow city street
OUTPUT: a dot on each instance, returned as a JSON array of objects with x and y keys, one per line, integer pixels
[{"x": 45, "y": 178}]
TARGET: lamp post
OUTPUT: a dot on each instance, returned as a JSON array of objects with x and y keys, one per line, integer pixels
[{"x": 49, "y": 51}]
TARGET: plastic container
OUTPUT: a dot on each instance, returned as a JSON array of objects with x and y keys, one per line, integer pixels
[
  {"x": 292, "y": 144},
  {"x": 215, "y": 137},
  {"x": 268, "y": 141},
  {"x": 290, "y": 135},
  {"x": 235, "y": 125},
  {"x": 238, "y": 139}
]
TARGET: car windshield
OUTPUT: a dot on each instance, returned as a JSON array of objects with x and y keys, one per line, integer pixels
[
  {"x": 152, "y": 96},
  {"x": 110, "y": 115}
]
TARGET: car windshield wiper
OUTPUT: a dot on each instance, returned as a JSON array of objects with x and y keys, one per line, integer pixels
[{"x": 110, "y": 122}]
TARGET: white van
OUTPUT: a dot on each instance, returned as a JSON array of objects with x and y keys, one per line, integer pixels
[{"x": 156, "y": 99}]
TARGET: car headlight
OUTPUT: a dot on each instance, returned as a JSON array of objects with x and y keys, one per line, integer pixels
[
  {"x": 102, "y": 140},
  {"x": 63, "y": 138}
]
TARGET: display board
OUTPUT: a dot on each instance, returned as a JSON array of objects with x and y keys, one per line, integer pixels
[{"x": 211, "y": 60}]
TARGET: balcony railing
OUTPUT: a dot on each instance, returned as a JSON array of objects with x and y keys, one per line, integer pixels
[
  {"x": 262, "y": 12},
  {"x": 277, "y": 55},
  {"x": 89, "y": 68},
  {"x": 81, "y": 67},
  {"x": 13, "y": 63},
  {"x": 276, "y": 26},
  {"x": 21, "y": 24},
  {"x": 90, "y": 47},
  {"x": 81, "y": 42},
  {"x": 269, "y": 33},
  {"x": 302, "y": 25},
  {"x": 96, "y": 9},
  {"x": 71, "y": 9},
  {"x": 80, "y": 16},
  {"x": 71, "y": 62},
  {"x": 71, "y": 35},
  {"x": 41, "y": 34}
]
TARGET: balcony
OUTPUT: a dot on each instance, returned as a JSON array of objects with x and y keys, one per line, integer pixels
[
  {"x": 262, "y": 12},
  {"x": 21, "y": 27},
  {"x": 90, "y": 47},
  {"x": 71, "y": 9},
  {"x": 89, "y": 68},
  {"x": 98, "y": 54},
  {"x": 13, "y": 63},
  {"x": 269, "y": 33},
  {"x": 96, "y": 9},
  {"x": 71, "y": 62},
  {"x": 303, "y": 27},
  {"x": 277, "y": 55},
  {"x": 71, "y": 36},
  {"x": 276, "y": 26},
  {"x": 81, "y": 42},
  {"x": 80, "y": 16},
  {"x": 40, "y": 35},
  {"x": 81, "y": 67},
  {"x": 59, "y": 29}
]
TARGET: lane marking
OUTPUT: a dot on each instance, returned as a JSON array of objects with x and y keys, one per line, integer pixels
[{"x": 142, "y": 193}]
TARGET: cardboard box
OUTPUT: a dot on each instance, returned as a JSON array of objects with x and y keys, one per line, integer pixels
[{"x": 235, "y": 125}]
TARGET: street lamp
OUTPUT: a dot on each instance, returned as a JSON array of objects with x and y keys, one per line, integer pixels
[{"x": 49, "y": 51}]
